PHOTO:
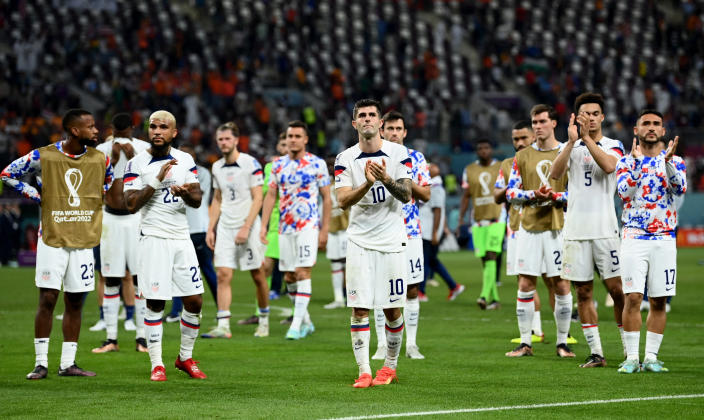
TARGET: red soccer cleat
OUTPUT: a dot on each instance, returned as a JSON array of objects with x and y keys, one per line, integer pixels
[
  {"x": 190, "y": 367},
  {"x": 364, "y": 381},
  {"x": 385, "y": 376},
  {"x": 158, "y": 374}
]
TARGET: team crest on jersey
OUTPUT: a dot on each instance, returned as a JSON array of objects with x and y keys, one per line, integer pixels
[{"x": 230, "y": 177}]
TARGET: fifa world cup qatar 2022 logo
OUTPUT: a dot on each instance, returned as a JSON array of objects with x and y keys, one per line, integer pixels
[{"x": 73, "y": 178}]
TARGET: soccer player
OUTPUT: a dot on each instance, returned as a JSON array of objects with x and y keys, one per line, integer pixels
[
  {"x": 235, "y": 211},
  {"x": 373, "y": 178},
  {"x": 75, "y": 177},
  {"x": 299, "y": 178},
  {"x": 161, "y": 182},
  {"x": 540, "y": 232},
  {"x": 394, "y": 130},
  {"x": 118, "y": 243},
  {"x": 336, "y": 250},
  {"x": 487, "y": 226},
  {"x": 650, "y": 179},
  {"x": 591, "y": 229}
]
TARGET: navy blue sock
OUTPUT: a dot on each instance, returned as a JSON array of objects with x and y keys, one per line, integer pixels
[
  {"x": 101, "y": 311},
  {"x": 129, "y": 311}
]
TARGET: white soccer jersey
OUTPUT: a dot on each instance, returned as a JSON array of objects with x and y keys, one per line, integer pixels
[
  {"x": 591, "y": 213},
  {"x": 376, "y": 221},
  {"x": 235, "y": 182},
  {"x": 164, "y": 215},
  {"x": 138, "y": 145}
]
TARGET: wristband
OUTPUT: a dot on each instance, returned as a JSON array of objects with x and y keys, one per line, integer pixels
[{"x": 155, "y": 183}]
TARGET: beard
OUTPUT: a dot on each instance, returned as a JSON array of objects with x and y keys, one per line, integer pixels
[
  {"x": 642, "y": 139},
  {"x": 88, "y": 142}
]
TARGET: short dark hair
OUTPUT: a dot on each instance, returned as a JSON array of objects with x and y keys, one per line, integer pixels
[
  {"x": 282, "y": 136},
  {"x": 484, "y": 140},
  {"x": 122, "y": 121},
  {"x": 366, "y": 102},
  {"x": 71, "y": 116},
  {"x": 589, "y": 98},
  {"x": 297, "y": 124},
  {"x": 394, "y": 116},
  {"x": 230, "y": 126},
  {"x": 520, "y": 125},
  {"x": 647, "y": 111},
  {"x": 540, "y": 108}
]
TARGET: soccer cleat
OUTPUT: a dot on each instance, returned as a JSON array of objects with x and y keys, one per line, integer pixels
[
  {"x": 493, "y": 306},
  {"x": 571, "y": 340},
  {"x": 287, "y": 320},
  {"x": 564, "y": 351},
  {"x": 158, "y": 374},
  {"x": 482, "y": 303},
  {"x": 99, "y": 326},
  {"x": 130, "y": 325},
  {"x": 292, "y": 334},
  {"x": 385, "y": 376},
  {"x": 107, "y": 347},
  {"x": 335, "y": 304},
  {"x": 422, "y": 297},
  {"x": 629, "y": 366},
  {"x": 533, "y": 339},
  {"x": 307, "y": 329},
  {"x": 273, "y": 295},
  {"x": 654, "y": 366},
  {"x": 218, "y": 332},
  {"x": 39, "y": 372},
  {"x": 74, "y": 370},
  {"x": 252, "y": 320},
  {"x": 380, "y": 353},
  {"x": 262, "y": 330},
  {"x": 141, "y": 345},
  {"x": 522, "y": 350},
  {"x": 190, "y": 366},
  {"x": 456, "y": 292},
  {"x": 364, "y": 381},
  {"x": 594, "y": 360},
  {"x": 412, "y": 352},
  {"x": 171, "y": 318},
  {"x": 60, "y": 317}
]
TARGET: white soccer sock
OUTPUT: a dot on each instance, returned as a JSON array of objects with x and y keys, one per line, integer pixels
[
  {"x": 411, "y": 313},
  {"x": 623, "y": 338},
  {"x": 190, "y": 325},
  {"x": 591, "y": 334},
  {"x": 360, "y": 343},
  {"x": 41, "y": 350},
  {"x": 525, "y": 309},
  {"x": 223, "y": 319},
  {"x": 537, "y": 325},
  {"x": 264, "y": 316},
  {"x": 68, "y": 354},
  {"x": 394, "y": 337},
  {"x": 338, "y": 275},
  {"x": 301, "y": 303},
  {"x": 563, "y": 316},
  {"x": 292, "y": 288},
  {"x": 111, "y": 308},
  {"x": 632, "y": 342},
  {"x": 140, "y": 308},
  {"x": 652, "y": 346},
  {"x": 154, "y": 330},
  {"x": 379, "y": 322}
]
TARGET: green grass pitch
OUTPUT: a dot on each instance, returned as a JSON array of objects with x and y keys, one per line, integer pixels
[{"x": 311, "y": 378}]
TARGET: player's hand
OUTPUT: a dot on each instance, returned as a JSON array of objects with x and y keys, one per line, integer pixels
[
  {"x": 671, "y": 147},
  {"x": 165, "y": 169},
  {"x": 322, "y": 239},
  {"x": 262, "y": 236},
  {"x": 583, "y": 122},
  {"x": 543, "y": 193},
  {"x": 379, "y": 171},
  {"x": 434, "y": 240},
  {"x": 368, "y": 173},
  {"x": 179, "y": 190},
  {"x": 635, "y": 150},
  {"x": 128, "y": 149},
  {"x": 115, "y": 153},
  {"x": 242, "y": 235},
  {"x": 572, "y": 132},
  {"x": 210, "y": 239}
]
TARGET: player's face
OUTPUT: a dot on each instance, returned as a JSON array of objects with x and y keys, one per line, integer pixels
[
  {"x": 484, "y": 151},
  {"x": 522, "y": 138},
  {"x": 87, "y": 131},
  {"x": 367, "y": 122},
  {"x": 543, "y": 126},
  {"x": 161, "y": 133},
  {"x": 281, "y": 147},
  {"x": 394, "y": 131},
  {"x": 226, "y": 141},
  {"x": 296, "y": 139},
  {"x": 596, "y": 117},
  {"x": 649, "y": 129}
]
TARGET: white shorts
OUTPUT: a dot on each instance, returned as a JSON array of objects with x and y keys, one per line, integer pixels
[
  {"x": 414, "y": 256},
  {"x": 511, "y": 243},
  {"x": 118, "y": 244},
  {"x": 245, "y": 257},
  {"x": 299, "y": 249},
  {"x": 168, "y": 268},
  {"x": 580, "y": 258},
  {"x": 336, "y": 248},
  {"x": 375, "y": 279},
  {"x": 654, "y": 261},
  {"x": 539, "y": 252},
  {"x": 72, "y": 267}
]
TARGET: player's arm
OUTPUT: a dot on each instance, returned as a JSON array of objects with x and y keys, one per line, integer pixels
[
  {"x": 135, "y": 199},
  {"x": 675, "y": 169},
  {"x": 400, "y": 188},
  {"x": 628, "y": 175},
  {"x": 464, "y": 205},
  {"x": 213, "y": 217},
  {"x": 267, "y": 207},
  {"x": 325, "y": 221},
  {"x": 14, "y": 172},
  {"x": 500, "y": 188},
  {"x": 191, "y": 194},
  {"x": 559, "y": 165},
  {"x": 437, "y": 213},
  {"x": 348, "y": 196},
  {"x": 243, "y": 233},
  {"x": 421, "y": 193},
  {"x": 515, "y": 193}
]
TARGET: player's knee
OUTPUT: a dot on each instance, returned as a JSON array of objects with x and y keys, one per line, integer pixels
[
  {"x": 302, "y": 274},
  {"x": 223, "y": 275},
  {"x": 584, "y": 293},
  {"x": 360, "y": 313},
  {"x": 657, "y": 304},
  {"x": 633, "y": 300},
  {"x": 412, "y": 291},
  {"x": 73, "y": 301},
  {"x": 156, "y": 305},
  {"x": 47, "y": 299},
  {"x": 113, "y": 281}
]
